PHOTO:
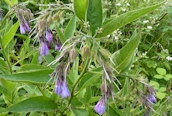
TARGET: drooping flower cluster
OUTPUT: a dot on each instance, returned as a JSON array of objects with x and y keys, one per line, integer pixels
[
  {"x": 148, "y": 100},
  {"x": 24, "y": 16},
  {"x": 61, "y": 87},
  {"x": 45, "y": 37}
]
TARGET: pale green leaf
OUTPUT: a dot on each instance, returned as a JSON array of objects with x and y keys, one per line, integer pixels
[
  {"x": 158, "y": 76},
  {"x": 161, "y": 71},
  {"x": 70, "y": 29},
  {"x": 123, "y": 57},
  {"x": 80, "y": 7}
]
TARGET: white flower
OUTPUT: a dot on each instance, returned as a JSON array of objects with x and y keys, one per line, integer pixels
[
  {"x": 118, "y": 4},
  {"x": 145, "y": 21},
  {"x": 124, "y": 9},
  {"x": 149, "y": 27},
  {"x": 127, "y": 4},
  {"x": 169, "y": 58}
]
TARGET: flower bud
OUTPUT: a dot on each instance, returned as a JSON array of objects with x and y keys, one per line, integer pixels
[
  {"x": 72, "y": 54},
  {"x": 85, "y": 52},
  {"x": 105, "y": 53}
]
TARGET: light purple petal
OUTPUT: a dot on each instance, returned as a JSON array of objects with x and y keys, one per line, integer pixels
[
  {"x": 22, "y": 29},
  {"x": 65, "y": 91},
  {"x": 49, "y": 36},
  {"x": 100, "y": 107},
  {"x": 44, "y": 49}
]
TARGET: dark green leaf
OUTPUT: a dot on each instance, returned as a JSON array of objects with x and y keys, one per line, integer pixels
[
  {"x": 40, "y": 103},
  {"x": 94, "y": 15}
]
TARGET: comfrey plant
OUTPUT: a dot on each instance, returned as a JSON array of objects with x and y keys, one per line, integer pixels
[{"x": 82, "y": 65}]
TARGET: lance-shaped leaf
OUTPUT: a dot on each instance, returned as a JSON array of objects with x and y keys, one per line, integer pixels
[
  {"x": 94, "y": 15},
  {"x": 40, "y": 103},
  {"x": 10, "y": 34},
  {"x": 123, "y": 57},
  {"x": 124, "y": 19},
  {"x": 70, "y": 29},
  {"x": 80, "y": 7}
]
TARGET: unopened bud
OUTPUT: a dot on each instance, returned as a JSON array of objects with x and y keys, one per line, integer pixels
[
  {"x": 105, "y": 53},
  {"x": 85, "y": 52},
  {"x": 72, "y": 55},
  {"x": 49, "y": 19}
]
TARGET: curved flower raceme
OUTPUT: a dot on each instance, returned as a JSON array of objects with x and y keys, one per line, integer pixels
[{"x": 61, "y": 88}]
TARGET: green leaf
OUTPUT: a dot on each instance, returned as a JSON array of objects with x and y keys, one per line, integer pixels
[
  {"x": 158, "y": 76},
  {"x": 10, "y": 34},
  {"x": 80, "y": 7},
  {"x": 168, "y": 77},
  {"x": 162, "y": 89},
  {"x": 94, "y": 15},
  {"x": 161, "y": 71},
  {"x": 80, "y": 112},
  {"x": 60, "y": 35},
  {"x": 70, "y": 29},
  {"x": 123, "y": 58},
  {"x": 154, "y": 84},
  {"x": 160, "y": 95},
  {"x": 38, "y": 77},
  {"x": 40, "y": 103},
  {"x": 125, "y": 18}
]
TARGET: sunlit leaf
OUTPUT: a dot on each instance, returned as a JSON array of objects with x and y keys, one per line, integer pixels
[{"x": 125, "y": 18}]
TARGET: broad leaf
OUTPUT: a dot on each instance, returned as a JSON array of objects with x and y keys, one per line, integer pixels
[
  {"x": 80, "y": 7},
  {"x": 123, "y": 57},
  {"x": 95, "y": 15},
  {"x": 124, "y": 19},
  {"x": 40, "y": 103},
  {"x": 89, "y": 78},
  {"x": 38, "y": 77},
  {"x": 70, "y": 29},
  {"x": 80, "y": 112}
]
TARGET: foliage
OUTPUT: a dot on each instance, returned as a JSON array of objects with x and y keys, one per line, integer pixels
[{"x": 85, "y": 57}]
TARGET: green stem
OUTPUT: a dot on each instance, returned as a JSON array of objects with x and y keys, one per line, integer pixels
[{"x": 40, "y": 90}]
